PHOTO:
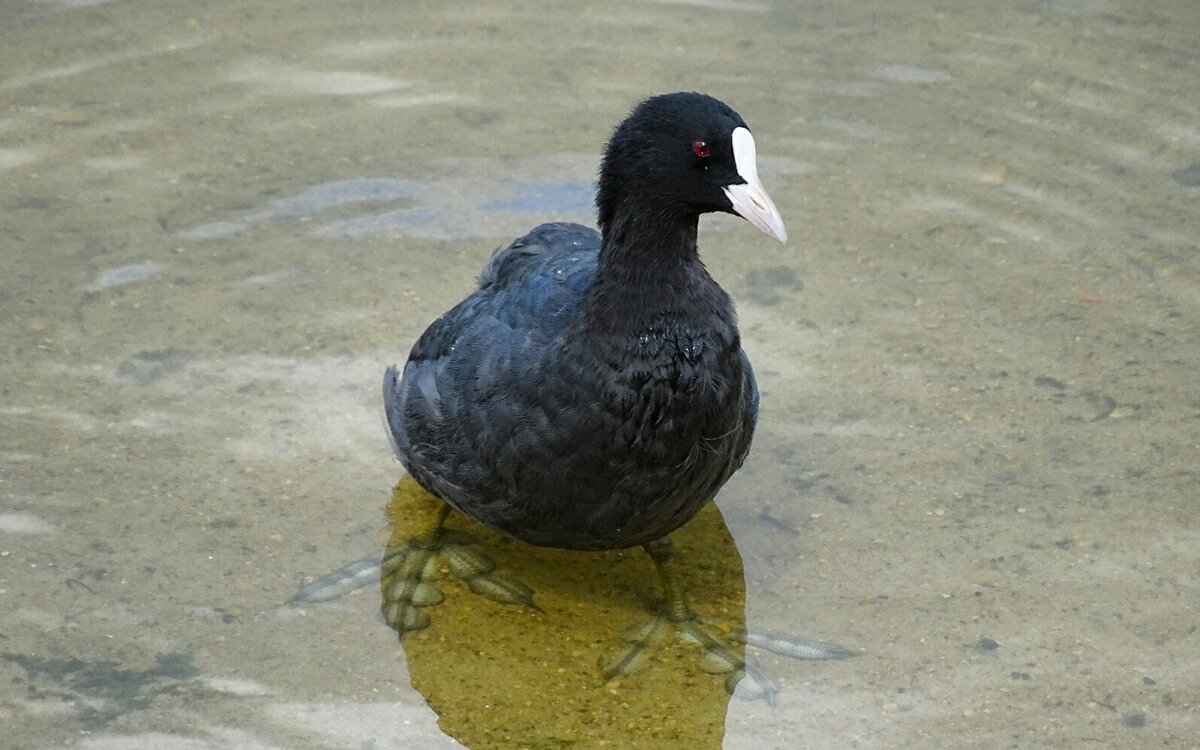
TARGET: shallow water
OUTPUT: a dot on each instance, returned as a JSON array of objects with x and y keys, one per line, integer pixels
[{"x": 976, "y": 461}]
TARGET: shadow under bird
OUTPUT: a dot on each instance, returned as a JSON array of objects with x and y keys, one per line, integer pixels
[{"x": 592, "y": 393}]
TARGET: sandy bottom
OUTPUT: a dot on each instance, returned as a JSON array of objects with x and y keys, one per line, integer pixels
[{"x": 976, "y": 464}]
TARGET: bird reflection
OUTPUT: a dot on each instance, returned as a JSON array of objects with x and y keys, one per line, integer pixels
[
  {"x": 501, "y": 669},
  {"x": 516, "y": 645}
]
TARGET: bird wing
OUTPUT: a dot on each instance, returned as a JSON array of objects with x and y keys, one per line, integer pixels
[
  {"x": 750, "y": 394},
  {"x": 456, "y": 398}
]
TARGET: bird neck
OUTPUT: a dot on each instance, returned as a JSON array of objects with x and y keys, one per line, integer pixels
[{"x": 649, "y": 268}]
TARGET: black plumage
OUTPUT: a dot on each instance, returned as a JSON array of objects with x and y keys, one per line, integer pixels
[{"x": 592, "y": 393}]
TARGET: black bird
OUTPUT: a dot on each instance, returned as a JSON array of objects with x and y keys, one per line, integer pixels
[{"x": 592, "y": 393}]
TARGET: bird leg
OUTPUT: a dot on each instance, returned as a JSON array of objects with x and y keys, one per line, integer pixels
[
  {"x": 722, "y": 654},
  {"x": 408, "y": 568},
  {"x": 724, "y": 648}
]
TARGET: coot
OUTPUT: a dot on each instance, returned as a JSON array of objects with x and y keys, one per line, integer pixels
[{"x": 592, "y": 393}]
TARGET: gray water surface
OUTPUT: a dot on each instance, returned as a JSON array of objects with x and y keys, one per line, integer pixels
[{"x": 977, "y": 457}]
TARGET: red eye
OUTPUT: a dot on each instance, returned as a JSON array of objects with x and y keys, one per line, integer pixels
[{"x": 701, "y": 149}]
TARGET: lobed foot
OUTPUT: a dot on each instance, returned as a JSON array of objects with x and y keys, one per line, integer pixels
[
  {"x": 409, "y": 573},
  {"x": 724, "y": 651},
  {"x": 410, "y": 570}
]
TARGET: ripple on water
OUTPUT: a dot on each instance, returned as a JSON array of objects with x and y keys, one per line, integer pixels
[
  {"x": 115, "y": 163},
  {"x": 342, "y": 192},
  {"x": 737, "y": 6},
  {"x": 23, "y": 523},
  {"x": 559, "y": 197},
  {"x": 457, "y": 209},
  {"x": 853, "y": 89},
  {"x": 278, "y": 78},
  {"x": 68, "y": 4},
  {"x": 911, "y": 74},
  {"x": 861, "y": 131},
  {"x": 403, "y": 101},
  {"x": 311, "y": 201},
  {"x": 11, "y": 158},
  {"x": 449, "y": 209},
  {"x": 123, "y": 275}
]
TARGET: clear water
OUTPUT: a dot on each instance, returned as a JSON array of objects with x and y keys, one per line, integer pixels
[{"x": 977, "y": 458}]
